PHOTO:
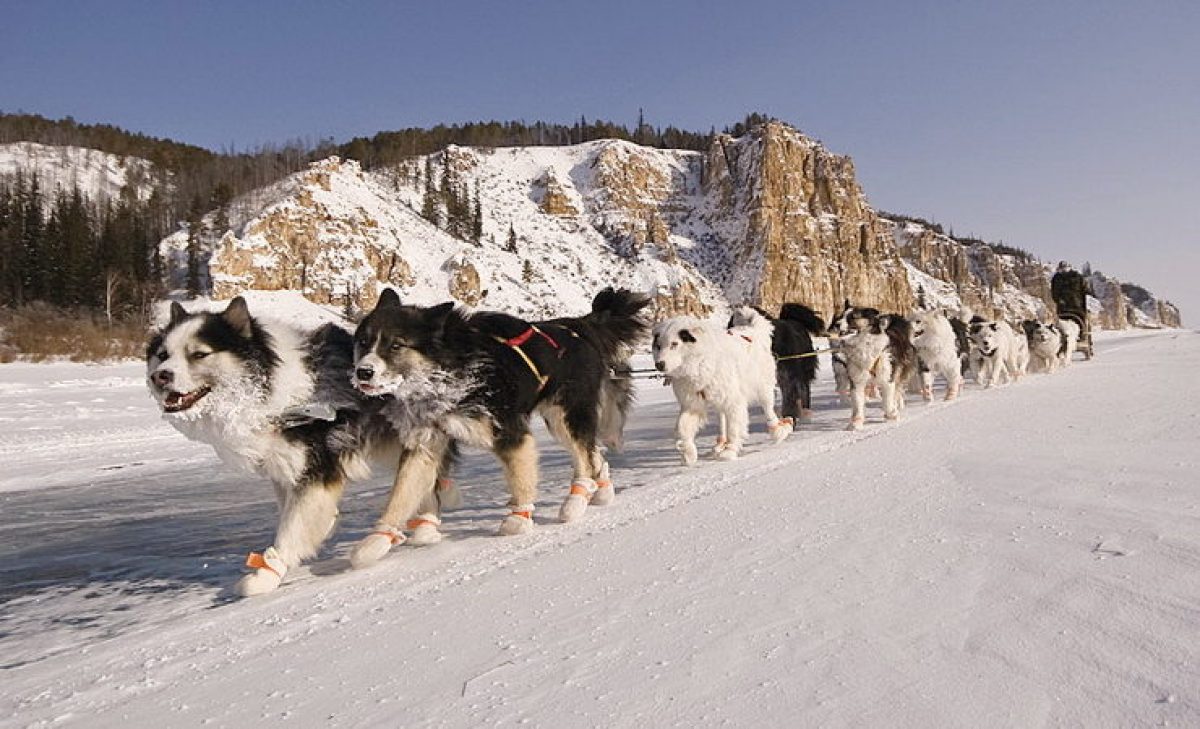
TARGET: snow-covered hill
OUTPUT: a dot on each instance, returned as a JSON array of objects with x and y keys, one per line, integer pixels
[
  {"x": 98, "y": 175},
  {"x": 768, "y": 217},
  {"x": 1022, "y": 557}
]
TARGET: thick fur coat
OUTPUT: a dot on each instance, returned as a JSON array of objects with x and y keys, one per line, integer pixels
[
  {"x": 273, "y": 401},
  {"x": 998, "y": 356},
  {"x": 795, "y": 361},
  {"x": 877, "y": 350},
  {"x": 1045, "y": 340},
  {"x": 445, "y": 375},
  {"x": 726, "y": 369},
  {"x": 938, "y": 354}
]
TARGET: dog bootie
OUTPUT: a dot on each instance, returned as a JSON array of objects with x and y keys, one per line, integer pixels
[
  {"x": 423, "y": 530},
  {"x": 577, "y": 501},
  {"x": 520, "y": 521},
  {"x": 375, "y": 545},
  {"x": 729, "y": 452},
  {"x": 449, "y": 497},
  {"x": 605, "y": 493},
  {"x": 269, "y": 569},
  {"x": 780, "y": 429}
]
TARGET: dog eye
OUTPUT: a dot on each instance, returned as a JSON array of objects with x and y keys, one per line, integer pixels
[
  {"x": 162, "y": 355},
  {"x": 200, "y": 355},
  {"x": 396, "y": 346},
  {"x": 674, "y": 345}
]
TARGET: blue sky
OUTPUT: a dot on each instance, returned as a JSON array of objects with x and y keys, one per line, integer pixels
[{"x": 1071, "y": 129}]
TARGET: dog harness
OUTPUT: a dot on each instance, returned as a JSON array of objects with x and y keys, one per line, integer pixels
[{"x": 515, "y": 343}]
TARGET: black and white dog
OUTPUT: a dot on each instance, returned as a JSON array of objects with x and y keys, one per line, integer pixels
[
  {"x": 877, "y": 349},
  {"x": 275, "y": 401},
  {"x": 1045, "y": 341},
  {"x": 795, "y": 358},
  {"x": 444, "y": 375}
]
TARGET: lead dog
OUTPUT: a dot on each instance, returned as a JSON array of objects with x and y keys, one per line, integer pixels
[
  {"x": 878, "y": 351},
  {"x": 274, "y": 401},
  {"x": 443, "y": 375},
  {"x": 729, "y": 369}
]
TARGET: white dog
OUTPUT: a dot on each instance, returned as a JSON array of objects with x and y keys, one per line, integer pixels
[
  {"x": 1045, "y": 340},
  {"x": 727, "y": 369},
  {"x": 937, "y": 352},
  {"x": 996, "y": 354},
  {"x": 1070, "y": 340}
]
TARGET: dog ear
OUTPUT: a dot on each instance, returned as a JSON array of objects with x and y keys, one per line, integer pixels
[
  {"x": 178, "y": 313},
  {"x": 237, "y": 316},
  {"x": 388, "y": 299},
  {"x": 437, "y": 316},
  {"x": 686, "y": 336}
]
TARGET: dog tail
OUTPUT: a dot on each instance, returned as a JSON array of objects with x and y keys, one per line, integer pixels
[
  {"x": 615, "y": 324},
  {"x": 803, "y": 316}
]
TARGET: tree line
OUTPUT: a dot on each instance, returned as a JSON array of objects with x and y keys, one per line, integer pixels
[{"x": 61, "y": 248}]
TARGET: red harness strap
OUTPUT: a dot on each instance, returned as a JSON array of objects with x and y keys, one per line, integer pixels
[{"x": 523, "y": 337}]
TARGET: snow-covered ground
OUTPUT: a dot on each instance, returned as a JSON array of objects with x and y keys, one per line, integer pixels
[{"x": 1027, "y": 556}]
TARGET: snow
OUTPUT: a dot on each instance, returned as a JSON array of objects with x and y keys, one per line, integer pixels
[
  {"x": 1025, "y": 556},
  {"x": 99, "y": 175}
]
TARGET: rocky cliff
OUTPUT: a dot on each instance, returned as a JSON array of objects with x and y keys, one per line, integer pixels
[
  {"x": 797, "y": 226},
  {"x": 766, "y": 218}
]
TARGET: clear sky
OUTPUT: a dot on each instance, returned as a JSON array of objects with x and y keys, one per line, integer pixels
[{"x": 1071, "y": 129}]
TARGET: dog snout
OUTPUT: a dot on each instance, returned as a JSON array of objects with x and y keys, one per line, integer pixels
[
  {"x": 364, "y": 374},
  {"x": 163, "y": 378},
  {"x": 660, "y": 366}
]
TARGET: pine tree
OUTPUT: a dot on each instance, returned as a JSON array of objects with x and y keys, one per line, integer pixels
[
  {"x": 195, "y": 225},
  {"x": 511, "y": 244},
  {"x": 429, "y": 205},
  {"x": 31, "y": 244},
  {"x": 477, "y": 219},
  {"x": 527, "y": 273}
]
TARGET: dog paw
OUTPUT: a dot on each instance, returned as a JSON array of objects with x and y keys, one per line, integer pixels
[
  {"x": 729, "y": 453},
  {"x": 371, "y": 549},
  {"x": 516, "y": 523},
  {"x": 605, "y": 493},
  {"x": 856, "y": 424},
  {"x": 780, "y": 430},
  {"x": 806, "y": 414},
  {"x": 572, "y": 508},
  {"x": 577, "y": 501},
  {"x": 269, "y": 569},
  {"x": 688, "y": 452},
  {"x": 891, "y": 416},
  {"x": 423, "y": 531},
  {"x": 258, "y": 582}
]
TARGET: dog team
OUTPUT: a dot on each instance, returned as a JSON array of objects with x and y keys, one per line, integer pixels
[{"x": 312, "y": 410}]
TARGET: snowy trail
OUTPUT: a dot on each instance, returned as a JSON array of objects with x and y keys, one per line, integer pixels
[{"x": 1026, "y": 556}]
